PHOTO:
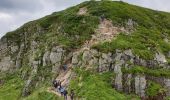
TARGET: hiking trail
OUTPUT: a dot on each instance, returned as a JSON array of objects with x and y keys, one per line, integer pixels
[{"x": 105, "y": 32}]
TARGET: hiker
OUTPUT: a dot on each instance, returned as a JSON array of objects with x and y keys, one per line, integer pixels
[
  {"x": 72, "y": 95},
  {"x": 65, "y": 67},
  {"x": 62, "y": 90},
  {"x": 59, "y": 83},
  {"x": 59, "y": 86},
  {"x": 65, "y": 94},
  {"x": 102, "y": 17},
  {"x": 54, "y": 83}
]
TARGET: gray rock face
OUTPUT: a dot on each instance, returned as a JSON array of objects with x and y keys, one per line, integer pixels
[
  {"x": 167, "y": 86},
  {"x": 3, "y": 47},
  {"x": 86, "y": 57},
  {"x": 117, "y": 70},
  {"x": 127, "y": 78},
  {"x": 159, "y": 57},
  {"x": 26, "y": 91},
  {"x": 14, "y": 49},
  {"x": 118, "y": 77},
  {"x": 28, "y": 84},
  {"x": 46, "y": 58},
  {"x": 140, "y": 85},
  {"x": 56, "y": 56},
  {"x": 75, "y": 59},
  {"x": 18, "y": 58},
  {"x": 105, "y": 62},
  {"x": 6, "y": 64},
  {"x": 130, "y": 25}
]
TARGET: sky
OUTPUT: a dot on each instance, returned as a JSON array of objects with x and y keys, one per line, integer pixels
[{"x": 14, "y": 13}]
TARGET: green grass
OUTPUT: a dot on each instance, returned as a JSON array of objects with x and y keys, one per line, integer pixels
[
  {"x": 12, "y": 87},
  {"x": 68, "y": 29},
  {"x": 42, "y": 94},
  {"x": 93, "y": 86},
  {"x": 147, "y": 71},
  {"x": 154, "y": 89},
  {"x": 143, "y": 42},
  {"x": 144, "y": 17}
]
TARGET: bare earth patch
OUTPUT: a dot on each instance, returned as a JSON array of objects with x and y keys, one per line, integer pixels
[
  {"x": 105, "y": 32},
  {"x": 82, "y": 11}
]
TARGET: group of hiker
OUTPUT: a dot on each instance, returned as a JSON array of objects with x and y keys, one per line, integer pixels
[{"x": 59, "y": 88}]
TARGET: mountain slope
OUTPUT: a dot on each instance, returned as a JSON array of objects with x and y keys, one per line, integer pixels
[{"x": 96, "y": 39}]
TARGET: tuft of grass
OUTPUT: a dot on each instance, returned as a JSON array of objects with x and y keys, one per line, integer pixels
[
  {"x": 147, "y": 71},
  {"x": 154, "y": 89}
]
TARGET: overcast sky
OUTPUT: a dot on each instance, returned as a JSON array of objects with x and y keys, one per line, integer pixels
[{"x": 14, "y": 13}]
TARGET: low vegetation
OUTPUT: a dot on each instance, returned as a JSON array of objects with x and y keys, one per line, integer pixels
[
  {"x": 154, "y": 89},
  {"x": 11, "y": 87},
  {"x": 90, "y": 86},
  {"x": 147, "y": 71},
  {"x": 70, "y": 30},
  {"x": 42, "y": 94}
]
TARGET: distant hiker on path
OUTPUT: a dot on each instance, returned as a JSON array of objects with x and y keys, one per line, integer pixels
[
  {"x": 55, "y": 83},
  {"x": 102, "y": 17},
  {"x": 62, "y": 90},
  {"x": 65, "y": 94},
  {"x": 65, "y": 67},
  {"x": 72, "y": 95}
]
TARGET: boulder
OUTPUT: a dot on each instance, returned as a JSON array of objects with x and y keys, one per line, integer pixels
[
  {"x": 56, "y": 55},
  {"x": 75, "y": 59},
  {"x": 159, "y": 57}
]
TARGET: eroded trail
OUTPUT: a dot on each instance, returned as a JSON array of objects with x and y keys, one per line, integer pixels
[
  {"x": 105, "y": 32},
  {"x": 64, "y": 77}
]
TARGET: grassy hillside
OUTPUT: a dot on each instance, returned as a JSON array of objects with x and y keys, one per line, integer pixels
[
  {"x": 90, "y": 86},
  {"x": 149, "y": 33},
  {"x": 66, "y": 28}
]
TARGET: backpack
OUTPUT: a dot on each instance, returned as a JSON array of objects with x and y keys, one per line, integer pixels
[{"x": 62, "y": 90}]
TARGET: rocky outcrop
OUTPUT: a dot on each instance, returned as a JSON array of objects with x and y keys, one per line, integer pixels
[
  {"x": 46, "y": 58},
  {"x": 6, "y": 64},
  {"x": 6, "y": 61},
  {"x": 167, "y": 86},
  {"x": 56, "y": 57},
  {"x": 159, "y": 57},
  {"x": 30, "y": 84},
  {"x": 140, "y": 85},
  {"x": 82, "y": 11},
  {"x": 129, "y": 83},
  {"x": 19, "y": 56}
]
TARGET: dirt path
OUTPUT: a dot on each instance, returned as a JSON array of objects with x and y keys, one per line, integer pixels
[
  {"x": 64, "y": 77},
  {"x": 105, "y": 32},
  {"x": 52, "y": 90}
]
